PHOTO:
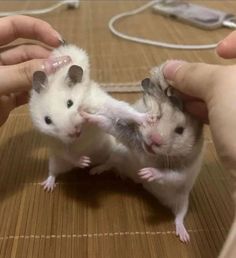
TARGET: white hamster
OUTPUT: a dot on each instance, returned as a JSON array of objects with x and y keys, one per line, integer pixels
[
  {"x": 55, "y": 104},
  {"x": 165, "y": 155}
]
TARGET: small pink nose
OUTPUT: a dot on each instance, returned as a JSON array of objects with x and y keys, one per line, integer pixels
[{"x": 156, "y": 138}]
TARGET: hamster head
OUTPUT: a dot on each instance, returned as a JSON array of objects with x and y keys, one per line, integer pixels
[
  {"x": 173, "y": 132},
  {"x": 55, "y": 102},
  {"x": 77, "y": 55}
]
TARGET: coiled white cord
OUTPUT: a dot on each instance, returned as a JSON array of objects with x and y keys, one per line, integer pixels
[
  {"x": 69, "y": 3},
  {"x": 148, "y": 41}
]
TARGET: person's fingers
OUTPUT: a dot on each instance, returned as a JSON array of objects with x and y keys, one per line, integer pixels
[
  {"x": 9, "y": 102},
  {"x": 222, "y": 115},
  {"x": 227, "y": 47},
  {"x": 17, "y": 78},
  {"x": 194, "y": 79},
  {"x": 186, "y": 97},
  {"x": 198, "y": 109},
  {"x": 20, "y": 26},
  {"x": 21, "y": 98},
  {"x": 23, "y": 53}
]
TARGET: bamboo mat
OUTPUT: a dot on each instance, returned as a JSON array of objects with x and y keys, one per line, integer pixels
[{"x": 104, "y": 216}]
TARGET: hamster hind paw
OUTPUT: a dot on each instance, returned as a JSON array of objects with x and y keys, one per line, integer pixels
[
  {"x": 49, "y": 184},
  {"x": 182, "y": 233}
]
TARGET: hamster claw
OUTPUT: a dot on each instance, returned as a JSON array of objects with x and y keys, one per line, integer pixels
[
  {"x": 149, "y": 174},
  {"x": 49, "y": 184},
  {"x": 182, "y": 233},
  {"x": 83, "y": 162},
  {"x": 151, "y": 118},
  {"x": 148, "y": 119}
]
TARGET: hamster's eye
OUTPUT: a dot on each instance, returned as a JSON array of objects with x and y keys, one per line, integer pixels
[
  {"x": 47, "y": 120},
  {"x": 69, "y": 103},
  {"x": 179, "y": 130}
]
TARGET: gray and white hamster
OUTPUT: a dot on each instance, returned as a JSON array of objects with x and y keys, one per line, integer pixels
[
  {"x": 165, "y": 155},
  {"x": 55, "y": 104}
]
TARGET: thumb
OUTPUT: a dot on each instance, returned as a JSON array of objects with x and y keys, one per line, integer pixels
[
  {"x": 226, "y": 48},
  {"x": 18, "y": 78},
  {"x": 194, "y": 79}
]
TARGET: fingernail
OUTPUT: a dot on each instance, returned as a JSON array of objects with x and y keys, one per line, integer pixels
[
  {"x": 51, "y": 65},
  {"x": 222, "y": 43},
  {"x": 221, "y": 46},
  {"x": 171, "y": 67},
  {"x": 58, "y": 35},
  {"x": 63, "y": 42}
]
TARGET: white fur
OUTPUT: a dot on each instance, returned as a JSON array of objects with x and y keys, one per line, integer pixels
[
  {"x": 171, "y": 184},
  {"x": 66, "y": 151}
]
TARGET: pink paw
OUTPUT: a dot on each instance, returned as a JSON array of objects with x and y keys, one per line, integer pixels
[
  {"x": 83, "y": 162},
  {"x": 100, "y": 120},
  {"x": 147, "y": 119},
  {"x": 151, "y": 118},
  {"x": 149, "y": 174},
  {"x": 182, "y": 233},
  {"x": 49, "y": 184},
  {"x": 142, "y": 119}
]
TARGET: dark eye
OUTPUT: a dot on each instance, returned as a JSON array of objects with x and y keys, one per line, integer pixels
[
  {"x": 179, "y": 130},
  {"x": 47, "y": 120},
  {"x": 69, "y": 103}
]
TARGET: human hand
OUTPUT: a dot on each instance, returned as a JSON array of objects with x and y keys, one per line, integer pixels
[
  {"x": 213, "y": 92},
  {"x": 227, "y": 47},
  {"x": 18, "y": 64}
]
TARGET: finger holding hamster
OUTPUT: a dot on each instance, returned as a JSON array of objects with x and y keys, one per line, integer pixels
[{"x": 18, "y": 78}]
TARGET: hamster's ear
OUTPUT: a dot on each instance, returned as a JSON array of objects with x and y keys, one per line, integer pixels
[
  {"x": 147, "y": 86},
  {"x": 150, "y": 88},
  {"x": 174, "y": 98},
  {"x": 75, "y": 74},
  {"x": 40, "y": 81},
  {"x": 177, "y": 102}
]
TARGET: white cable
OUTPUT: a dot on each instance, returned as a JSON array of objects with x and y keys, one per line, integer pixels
[
  {"x": 126, "y": 87},
  {"x": 148, "y": 41},
  {"x": 70, "y": 3}
]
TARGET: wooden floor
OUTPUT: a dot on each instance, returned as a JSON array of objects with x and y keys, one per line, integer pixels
[{"x": 103, "y": 216}]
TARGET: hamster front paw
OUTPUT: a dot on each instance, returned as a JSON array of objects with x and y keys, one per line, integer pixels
[
  {"x": 151, "y": 118},
  {"x": 83, "y": 162},
  {"x": 141, "y": 118},
  {"x": 150, "y": 174},
  {"x": 148, "y": 119},
  {"x": 100, "y": 120},
  {"x": 49, "y": 184}
]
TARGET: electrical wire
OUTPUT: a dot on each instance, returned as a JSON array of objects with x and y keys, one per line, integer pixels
[
  {"x": 74, "y": 3},
  {"x": 148, "y": 41}
]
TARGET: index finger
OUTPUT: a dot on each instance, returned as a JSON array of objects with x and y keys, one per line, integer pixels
[{"x": 20, "y": 26}]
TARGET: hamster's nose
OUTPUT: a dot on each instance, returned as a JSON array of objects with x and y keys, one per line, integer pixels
[{"x": 156, "y": 139}]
